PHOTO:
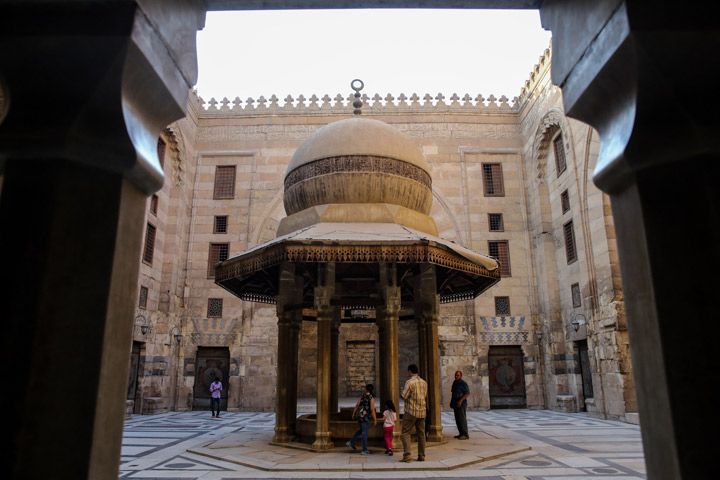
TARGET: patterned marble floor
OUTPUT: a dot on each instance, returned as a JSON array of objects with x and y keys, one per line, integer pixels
[{"x": 564, "y": 447}]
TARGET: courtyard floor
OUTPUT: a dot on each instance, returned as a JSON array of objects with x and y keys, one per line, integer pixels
[{"x": 504, "y": 445}]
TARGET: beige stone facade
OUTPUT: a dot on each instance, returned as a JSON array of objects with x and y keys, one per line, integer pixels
[{"x": 181, "y": 337}]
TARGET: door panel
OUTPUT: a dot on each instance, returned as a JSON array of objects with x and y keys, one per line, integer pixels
[
  {"x": 211, "y": 362},
  {"x": 507, "y": 380}
]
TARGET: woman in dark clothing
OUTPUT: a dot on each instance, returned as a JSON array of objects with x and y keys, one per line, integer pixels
[{"x": 364, "y": 411}]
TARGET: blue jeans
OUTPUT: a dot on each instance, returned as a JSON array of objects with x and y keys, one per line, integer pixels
[
  {"x": 362, "y": 432},
  {"x": 215, "y": 406}
]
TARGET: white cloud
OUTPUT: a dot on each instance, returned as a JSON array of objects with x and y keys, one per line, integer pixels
[{"x": 253, "y": 53}]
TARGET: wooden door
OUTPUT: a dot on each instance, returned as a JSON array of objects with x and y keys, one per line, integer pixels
[
  {"x": 134, "y": 377},
  {"x": 210, "y": 362},
  {"x": 585, "y": 372},
  {"x": 507, "y": 380}
]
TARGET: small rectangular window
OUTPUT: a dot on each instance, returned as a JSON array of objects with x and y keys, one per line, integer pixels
[
  {"x": 502, "y": 306},
  {"x": 575, "y": 292},
  {"x": 161, "y": 152},
  {"x": 154, "y": 204},
  {"x": 559, "y": 147},
  {"x": 565, "y": 201},
  {"x": 224, "y": 182},
  {"x": 218, "y": 253},
  {"x": 570, "y": 248},
  {"x": 500, "y": 250},
  {"x": 215, "y": 307},
  {"x": 142, "y": 302},
  {"x": 495, "y": 221},
  {"x": 220, "y": 225},
  {"x": 493, "y": 180},
  {"x": 149, "y": 250}
]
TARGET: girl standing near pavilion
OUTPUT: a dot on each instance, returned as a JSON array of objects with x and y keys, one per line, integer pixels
[{"x": 364, "y": 410}]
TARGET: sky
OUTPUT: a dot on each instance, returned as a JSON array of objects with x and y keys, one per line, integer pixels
[{"x": 253, "y": 53}]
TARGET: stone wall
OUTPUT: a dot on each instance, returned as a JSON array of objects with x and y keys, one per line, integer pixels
[{"x": 458, "y": 136}]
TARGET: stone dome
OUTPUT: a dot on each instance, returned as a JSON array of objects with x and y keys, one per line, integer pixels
[{"x": 358, "y": 161}]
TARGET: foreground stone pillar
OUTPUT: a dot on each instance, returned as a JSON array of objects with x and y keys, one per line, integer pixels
[
  {"x": 88, "y": 89},
  {"x": 627, "y": 72},
  {"x": 429, "y": 303},
  {"x": 325, "y": 318}
]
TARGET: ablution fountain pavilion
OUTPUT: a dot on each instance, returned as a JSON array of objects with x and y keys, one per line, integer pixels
[{"x": 357, "y": 243}]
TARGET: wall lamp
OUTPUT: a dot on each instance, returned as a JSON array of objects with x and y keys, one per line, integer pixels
[
  {"x": 143, "y": 323},
  {"x": 176, "y": 335},
  {"x": 578, "y": 321}
]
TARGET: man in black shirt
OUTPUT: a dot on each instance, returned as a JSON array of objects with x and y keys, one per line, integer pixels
[{"x": 460, "y": 392}]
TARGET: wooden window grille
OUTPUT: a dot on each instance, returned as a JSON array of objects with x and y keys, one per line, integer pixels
[
  {"x": 502, "y": 306},
  {"x": 142, "y": 302},
  {"x": 149, "y": 250},
  {"x": 215, "y": 307},
  {"x": 559, "y": 147},
  {"x": 493, "y": 180},
  {"x": 500, "y": 250},
  {"x": 154, "y": 204},
  {"x": 220, "y": 225},
  {"x": 570, "y": 248},
  {"x": 218, "y": 253},
  {"x": 495, "y": 221},
  {"x": 224, "y": 182},
  {"x": 575, "y": 292},
  {"x": 565, "y": 201},
  {"x": 161, "y": 152}
]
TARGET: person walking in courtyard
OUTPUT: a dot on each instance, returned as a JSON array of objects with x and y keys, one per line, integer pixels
[
  {"x": 458, "y": 402},
  {"x": 389, "y": 419},
  {"x": 364, "y": 410},
  {"x": 415, "y": 396},
  {"x": 215, "y": 391}
]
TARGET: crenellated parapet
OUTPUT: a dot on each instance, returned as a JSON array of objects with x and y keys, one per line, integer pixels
[
  {"x": 343, "y": 104},
  {"x": 536, "y": 75}
]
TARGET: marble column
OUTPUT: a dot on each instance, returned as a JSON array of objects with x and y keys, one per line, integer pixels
[
  {"x": 392, "y": 318},
  {"x": 427, "y": 304},
  {"x": 289, "y": 302},
  {"x": 326, "y": 315},
  {"x": 87, "y": 91},
  {"x": 334, "y": 364}
]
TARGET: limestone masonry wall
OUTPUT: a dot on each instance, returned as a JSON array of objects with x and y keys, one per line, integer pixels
[{"x": 546, "y": 162}]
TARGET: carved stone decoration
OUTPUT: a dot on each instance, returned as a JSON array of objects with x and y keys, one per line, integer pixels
[
  {"x": 177, "y": 145},
  {"x": 553, "y": 121}
]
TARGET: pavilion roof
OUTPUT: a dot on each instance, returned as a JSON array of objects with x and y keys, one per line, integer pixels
[{"x": 462, "y": 273}]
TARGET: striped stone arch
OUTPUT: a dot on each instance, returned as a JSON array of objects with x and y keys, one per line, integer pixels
[
  {"x": 445, "y": 220},
  {"x": 271, "y": 216},
  {"x": 552, "y": 122}
]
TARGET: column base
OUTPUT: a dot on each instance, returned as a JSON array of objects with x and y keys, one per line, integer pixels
[
  {"x": 281, "y": 435},
  {"x": 434, "y": 433},
  {"x": 322, "y": 441},
  {"x": 396, "y": 441}
]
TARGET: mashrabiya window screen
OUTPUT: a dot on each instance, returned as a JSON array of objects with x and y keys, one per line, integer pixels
[
  {"x": 500, "y": 250},
  {"x": 493, "y": 180},
  {"x": 149, "y": 249},
  {"x": 560, "y": 161},
  {"x": 502, "y": 306},
  {"x": 215, "y": 307},
  {"x": 224, "y": 182},
  {"x": 218, "y": 253},
  {"x": 570, "y": 248}
]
